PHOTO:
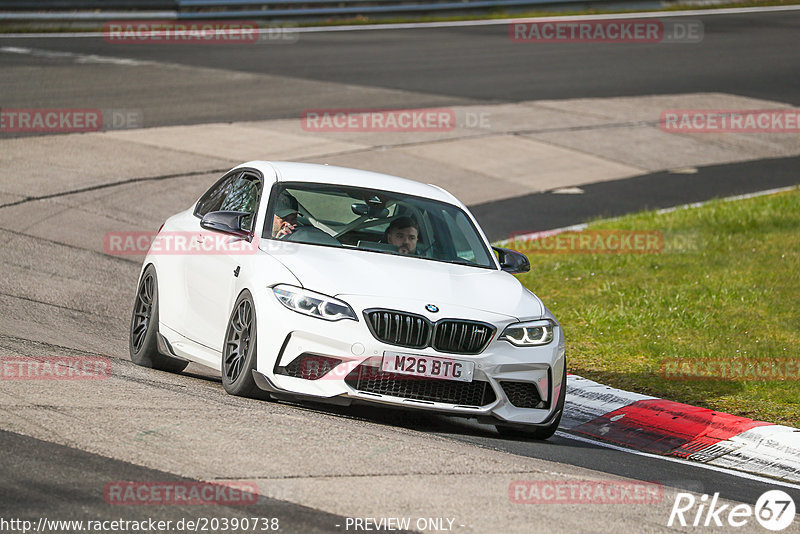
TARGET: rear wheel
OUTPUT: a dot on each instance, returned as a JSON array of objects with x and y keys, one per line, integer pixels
[
  {"x": 239, "y": 353},
  {"x": 539, "y": 432},
  {"x": 143, "y": 339}
]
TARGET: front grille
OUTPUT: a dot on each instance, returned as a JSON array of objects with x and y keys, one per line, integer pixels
[
  {"x": 374, "y": 380},
  {"x": 455, "y": 336},
  {"x": 397, "y": 328},
  {"x": 524, "y": 395},
  {"x": 461, "y": 337}
]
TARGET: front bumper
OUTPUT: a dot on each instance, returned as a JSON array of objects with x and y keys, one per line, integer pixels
[{"x": 505, "y": 376}]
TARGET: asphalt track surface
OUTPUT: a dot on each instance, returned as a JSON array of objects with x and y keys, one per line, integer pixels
[
  {"x": 753, "y": 55},
  {"x": 63, "y": 483},
  {"x": 29, "y": 498}
]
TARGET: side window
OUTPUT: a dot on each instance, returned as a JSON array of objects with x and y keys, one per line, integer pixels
[
  {"x": 213, "y": 198},
  {"x": 244, "y": 195},
  {"x": 238, "y": 192}
]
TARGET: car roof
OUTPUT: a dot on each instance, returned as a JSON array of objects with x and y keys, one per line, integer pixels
[{"x": 286, "y": 171}]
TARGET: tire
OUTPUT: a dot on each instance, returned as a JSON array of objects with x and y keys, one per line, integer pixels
[
  {"x": 239, "y": 356},
  {"x": 539, "y": 432},
  {"x": 143, "y": 338}
]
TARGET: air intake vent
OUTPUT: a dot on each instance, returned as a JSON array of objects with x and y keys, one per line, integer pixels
[
  {"x": 373, "y": 380},
  {"x": 523, "y": 395},
  {"x": 309, "y": 366}
]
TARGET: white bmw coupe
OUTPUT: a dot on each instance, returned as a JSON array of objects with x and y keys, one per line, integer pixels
[{"x": 320, "y": 283}]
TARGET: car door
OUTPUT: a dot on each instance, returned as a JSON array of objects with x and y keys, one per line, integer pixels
[
  {"x": 211, "y": 271},
  {"x": 185, "y": 226}
]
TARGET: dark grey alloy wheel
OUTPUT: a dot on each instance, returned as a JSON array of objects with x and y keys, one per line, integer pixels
[
  {"x": 540, "y": 432},
  {"x": 143, "y": 339},
  {"x": 239, "y": 353}
]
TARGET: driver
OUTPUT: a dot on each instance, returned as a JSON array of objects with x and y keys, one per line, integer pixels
[
  {"x": 284, "y": 221},
  {"x": 403, "y": 232}
]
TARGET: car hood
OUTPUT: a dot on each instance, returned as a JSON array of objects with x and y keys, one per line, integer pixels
[{"x": 338, "y": 272}]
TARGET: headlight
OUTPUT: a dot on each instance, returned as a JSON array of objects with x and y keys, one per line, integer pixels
[
  {"x": 313, "y": 304},
  {"x": 530, "y": 334}
]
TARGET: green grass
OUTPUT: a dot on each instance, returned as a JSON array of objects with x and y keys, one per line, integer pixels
[{"x": 734, "y": 293}]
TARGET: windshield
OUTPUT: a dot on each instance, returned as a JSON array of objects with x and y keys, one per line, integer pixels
[{"x": 375, "y": 221}]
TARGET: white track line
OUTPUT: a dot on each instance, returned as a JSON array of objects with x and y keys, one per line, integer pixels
[
  {"x": 730, "y": 199},
  {"x": 82, "y": 58},
  {"x": 78, "y": 58},
  {"x": 740, "y": 474},
  {"x": 460, "y": 23}
]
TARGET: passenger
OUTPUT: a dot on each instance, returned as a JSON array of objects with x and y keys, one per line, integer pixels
[{"x": 285, "y": 220}]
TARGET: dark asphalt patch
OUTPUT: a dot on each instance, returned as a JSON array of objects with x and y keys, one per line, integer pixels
[
  {"x": 545, "y": 211},
  {"x": 42, "y": 479}
]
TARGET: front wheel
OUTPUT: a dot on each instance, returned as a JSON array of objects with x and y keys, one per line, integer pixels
[
  {"x": 239, "y": 353},
  {"x": 143, "y": 340},
  {"x": 539, "y": 432}
]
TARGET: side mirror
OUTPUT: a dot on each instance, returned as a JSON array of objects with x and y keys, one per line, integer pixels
[
  {"x": 512, "y": 261},
  {"x": 227, "y": 222}
]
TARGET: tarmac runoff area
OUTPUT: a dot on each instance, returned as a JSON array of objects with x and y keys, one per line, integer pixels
[{"x": 62, "y": 296}]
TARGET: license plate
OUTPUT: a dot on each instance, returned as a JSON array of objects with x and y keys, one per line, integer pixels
[{"x": 427, "y": 366}]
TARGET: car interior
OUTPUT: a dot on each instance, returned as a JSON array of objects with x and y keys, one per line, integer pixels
[{"x": 358, "y": 218}]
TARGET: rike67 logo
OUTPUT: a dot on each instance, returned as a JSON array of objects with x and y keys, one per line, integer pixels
[{"x": 774, "y": 510}]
